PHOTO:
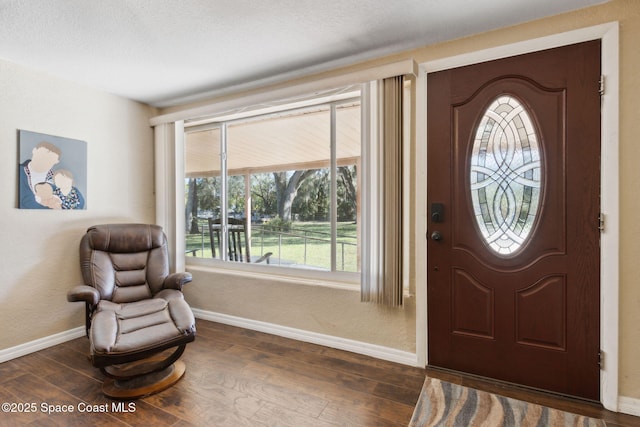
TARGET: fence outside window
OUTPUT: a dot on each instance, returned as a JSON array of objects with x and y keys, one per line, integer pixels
[{"x": 303, "y": 245}]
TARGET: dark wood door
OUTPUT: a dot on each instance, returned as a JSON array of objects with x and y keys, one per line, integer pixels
[{"x": 513, "y": 196}]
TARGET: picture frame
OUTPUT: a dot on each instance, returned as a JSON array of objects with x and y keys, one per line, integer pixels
[{"x": 52, "y": 172}]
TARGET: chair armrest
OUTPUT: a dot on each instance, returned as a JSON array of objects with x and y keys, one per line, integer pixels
[
  {"x": 177, "y": 280},
  {"x": 84, "y": 293}
]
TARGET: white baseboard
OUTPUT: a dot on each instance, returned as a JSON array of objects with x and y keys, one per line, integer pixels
[
  {"x": 629, "y": 405},
  {"x": 40, "y": 344},
  {"x": 377, "y": 351}
]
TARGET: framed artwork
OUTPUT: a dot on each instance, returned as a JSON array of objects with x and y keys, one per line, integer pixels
[{"x": 52, "y": 172}]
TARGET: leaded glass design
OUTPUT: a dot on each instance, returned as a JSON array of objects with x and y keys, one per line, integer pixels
[{"x": 505, "y": 175}]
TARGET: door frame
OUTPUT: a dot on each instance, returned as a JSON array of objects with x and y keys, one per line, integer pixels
[{"x": 609, "y": 253}]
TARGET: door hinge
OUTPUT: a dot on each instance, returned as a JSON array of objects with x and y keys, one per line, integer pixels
[
  {"x": 601, "y": 221},
  {"x": 601, "y": 359},
  {"x": 601, "y": 89}
]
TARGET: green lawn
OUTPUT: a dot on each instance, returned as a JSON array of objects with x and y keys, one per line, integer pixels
[{"x": 307, "y": 243}]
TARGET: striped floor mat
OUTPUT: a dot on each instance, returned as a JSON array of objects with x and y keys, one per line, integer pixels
[{"x": 445, "y": 404}]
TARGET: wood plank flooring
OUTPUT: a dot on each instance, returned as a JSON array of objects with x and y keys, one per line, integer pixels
[{"x": 237, "y": 377}]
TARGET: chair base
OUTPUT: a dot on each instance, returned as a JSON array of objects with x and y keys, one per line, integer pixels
[{"x": 145, "y": 385}]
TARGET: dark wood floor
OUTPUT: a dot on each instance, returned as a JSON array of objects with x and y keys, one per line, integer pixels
[{"x": 236, "y": 377}]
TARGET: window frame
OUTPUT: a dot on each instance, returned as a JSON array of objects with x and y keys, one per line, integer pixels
[
  {"x": 168, "y": 138},
  {"x": 309, "y": 276}
]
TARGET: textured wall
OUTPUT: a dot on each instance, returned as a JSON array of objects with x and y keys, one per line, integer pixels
[
  {"x": 315, "y": 308},
  {"x": 39, "y": 250}
]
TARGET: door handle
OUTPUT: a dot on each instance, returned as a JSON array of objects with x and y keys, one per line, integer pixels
[{"x": 436, "y": 236}]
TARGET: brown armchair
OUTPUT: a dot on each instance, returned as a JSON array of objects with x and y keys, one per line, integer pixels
[{"x": 137, "y": 320}]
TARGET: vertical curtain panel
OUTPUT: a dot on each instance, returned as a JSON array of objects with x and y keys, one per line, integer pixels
[{"x": 382, "y": 283}]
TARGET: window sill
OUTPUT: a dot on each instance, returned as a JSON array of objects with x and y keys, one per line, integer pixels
[{"x": 339, "y": 280}]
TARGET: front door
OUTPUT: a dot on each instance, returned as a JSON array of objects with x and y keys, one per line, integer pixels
[{"x": 513, "y": 198}]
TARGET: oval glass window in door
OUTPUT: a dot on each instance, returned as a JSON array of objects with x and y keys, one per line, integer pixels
[{"x": 505, "y": 175}]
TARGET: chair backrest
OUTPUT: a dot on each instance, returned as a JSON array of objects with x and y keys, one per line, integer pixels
[
  {"x": 236, "y": 242},
  {"x": 124, "y": 262}
]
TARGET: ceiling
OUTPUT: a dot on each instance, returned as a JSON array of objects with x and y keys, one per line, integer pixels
[{"x": 168, "y": 52}]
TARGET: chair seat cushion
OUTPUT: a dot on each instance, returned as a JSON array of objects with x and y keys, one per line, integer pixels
[{"x": 119, "y": 330}]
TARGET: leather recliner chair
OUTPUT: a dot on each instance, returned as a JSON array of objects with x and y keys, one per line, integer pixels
[{"x": 137, "y": 320}]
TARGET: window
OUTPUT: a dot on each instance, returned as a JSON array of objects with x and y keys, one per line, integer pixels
[
  {"x": 282, "y": 188},
  {"x": 505, "y": 175},
  {"x": 355, "y": 193}
]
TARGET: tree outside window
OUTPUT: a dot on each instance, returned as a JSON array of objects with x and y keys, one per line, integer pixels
[{"x": 292, "y": 178}]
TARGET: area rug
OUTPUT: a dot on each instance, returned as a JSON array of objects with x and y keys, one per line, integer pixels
[{"x": 445, "y": 404}]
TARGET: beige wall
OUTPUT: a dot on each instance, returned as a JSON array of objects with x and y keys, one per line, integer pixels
[
  {"x": 38, "y": 255},
  {"x": 313, "y": 308},
  {"x": 340, "y": 313},
  {"x": 39, "y": 249}
]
